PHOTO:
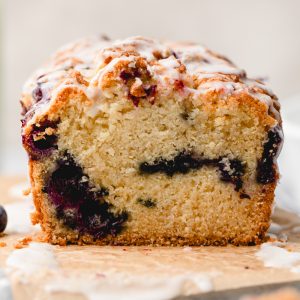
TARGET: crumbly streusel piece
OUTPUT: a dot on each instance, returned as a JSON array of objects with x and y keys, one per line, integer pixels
[{"x": 144, "y": 142}]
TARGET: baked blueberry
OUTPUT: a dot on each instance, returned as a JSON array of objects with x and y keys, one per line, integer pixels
[
  {"x": 148, "y": 202},
  {"x": 266, "y": 169},
  {"x": 232, "y": 170},
  {"x": 42, "y": 140},
  {"x": 3, "y": 219},
  {"x": 37, "y": 94},
  {"x": 78, "y": 204}
]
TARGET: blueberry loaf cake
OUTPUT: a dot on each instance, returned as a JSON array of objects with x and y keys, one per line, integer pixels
[{"x": 136, "y": 141}]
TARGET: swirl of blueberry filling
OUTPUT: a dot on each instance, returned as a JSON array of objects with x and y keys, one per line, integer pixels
[
  {"x": 79, "y": 205},
  {"x": 42, "y": 140},
  {"x": 230, "y": 170},
  {"x": 266, "y": 169}
]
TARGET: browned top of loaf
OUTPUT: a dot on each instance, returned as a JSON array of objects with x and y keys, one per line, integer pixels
[{"x": 140, "y": 68}]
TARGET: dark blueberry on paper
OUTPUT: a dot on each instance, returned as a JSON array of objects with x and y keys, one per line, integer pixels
[
  {"x": 149, "y": 203},
  {"x": 78, "y": 204},
  {"x": 3, "y": 219},
  {"x": 266, "y": 170}
]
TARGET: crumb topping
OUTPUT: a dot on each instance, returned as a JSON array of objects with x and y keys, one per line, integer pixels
[{"x": 142, "y": 68}]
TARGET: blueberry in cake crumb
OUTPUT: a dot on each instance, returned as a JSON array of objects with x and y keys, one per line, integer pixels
[
  {"x": 266, "y": 172},
  {"x": 150, "y": 90},
  {"x": 135, "y": 100},
  {"x": 42, "y": 140},
  {"x": 244, "y": 196},
  {"x": 182, "y": 163},
  {"x": 45, "y": 141},
  {"x": 230, "y": 170},
  {"x": 126, "y": 75},
  {"x": 78, "y": 204},
  {"x": 102, "y": 192},
  {"x": 185, "y": 116},
  {"x": 150, "y": 203},
  {"x": 3, "y": 219}
]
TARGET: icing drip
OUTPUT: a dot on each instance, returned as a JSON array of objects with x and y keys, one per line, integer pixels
[
  {"x": 274, "y": 255},
  {"x": 36, "y": 257},
  {"x": 5, "y": 288},
  {"x": 120, "y": 287}
]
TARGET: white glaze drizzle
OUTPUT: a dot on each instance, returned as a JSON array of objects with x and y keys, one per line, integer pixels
[
  {"x": 35, "y": 258},
  {"x": 274, "y": 255},
  {"x": 91, "y": 52},
  {"x": 124, "y": 287},
  {"x": 5, "y": 287}
]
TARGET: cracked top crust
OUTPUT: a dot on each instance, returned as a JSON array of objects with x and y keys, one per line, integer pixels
[{"x": 140, "y": 68}]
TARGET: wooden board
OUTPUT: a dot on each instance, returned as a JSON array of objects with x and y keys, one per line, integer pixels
[{"x": 134, "y": 270}]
